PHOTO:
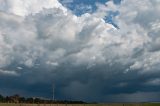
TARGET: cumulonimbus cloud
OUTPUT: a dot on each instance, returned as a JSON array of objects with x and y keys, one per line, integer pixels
[{"x": 45, "y": 38}]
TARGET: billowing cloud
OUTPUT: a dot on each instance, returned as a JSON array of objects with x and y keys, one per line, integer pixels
[
  {"x": 24, "y": 8},
  {"x": 85, "y": 57}
]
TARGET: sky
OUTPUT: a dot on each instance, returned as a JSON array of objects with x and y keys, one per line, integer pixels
[{"x": 90, "y": 50}]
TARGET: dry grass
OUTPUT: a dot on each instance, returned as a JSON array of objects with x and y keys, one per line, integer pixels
[{"x": 12, "y": 104}]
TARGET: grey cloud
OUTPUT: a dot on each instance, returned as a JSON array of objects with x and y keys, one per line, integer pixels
[{"x": 86, "y": 58}]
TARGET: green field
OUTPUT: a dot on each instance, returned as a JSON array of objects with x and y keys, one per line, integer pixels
[{"x": 112, "y": 104}]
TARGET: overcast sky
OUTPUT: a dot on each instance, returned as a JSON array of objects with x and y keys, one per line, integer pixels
[{"x": 91, "y": 50}]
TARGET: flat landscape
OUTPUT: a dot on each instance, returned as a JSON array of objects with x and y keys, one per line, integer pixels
[{"x": 112, "y": 104}]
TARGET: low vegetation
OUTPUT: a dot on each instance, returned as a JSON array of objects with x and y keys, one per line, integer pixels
[
  {"x": 16, "y": 100},
  {"x": 34, "y": 100}
]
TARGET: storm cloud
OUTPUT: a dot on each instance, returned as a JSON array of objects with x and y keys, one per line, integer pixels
[{"x": 43, "y": 42}]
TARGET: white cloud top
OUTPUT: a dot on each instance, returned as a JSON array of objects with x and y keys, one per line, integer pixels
[{"x": 26, "y": 7}]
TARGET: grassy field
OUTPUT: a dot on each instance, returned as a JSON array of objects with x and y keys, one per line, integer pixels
[{"x": 114, "y": 104}]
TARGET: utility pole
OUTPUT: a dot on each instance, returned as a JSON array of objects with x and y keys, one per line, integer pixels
[{"x": 53, "y": 96}]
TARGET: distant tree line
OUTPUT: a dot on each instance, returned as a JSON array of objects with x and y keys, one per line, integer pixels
[{"x": 18, "y": 99}]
